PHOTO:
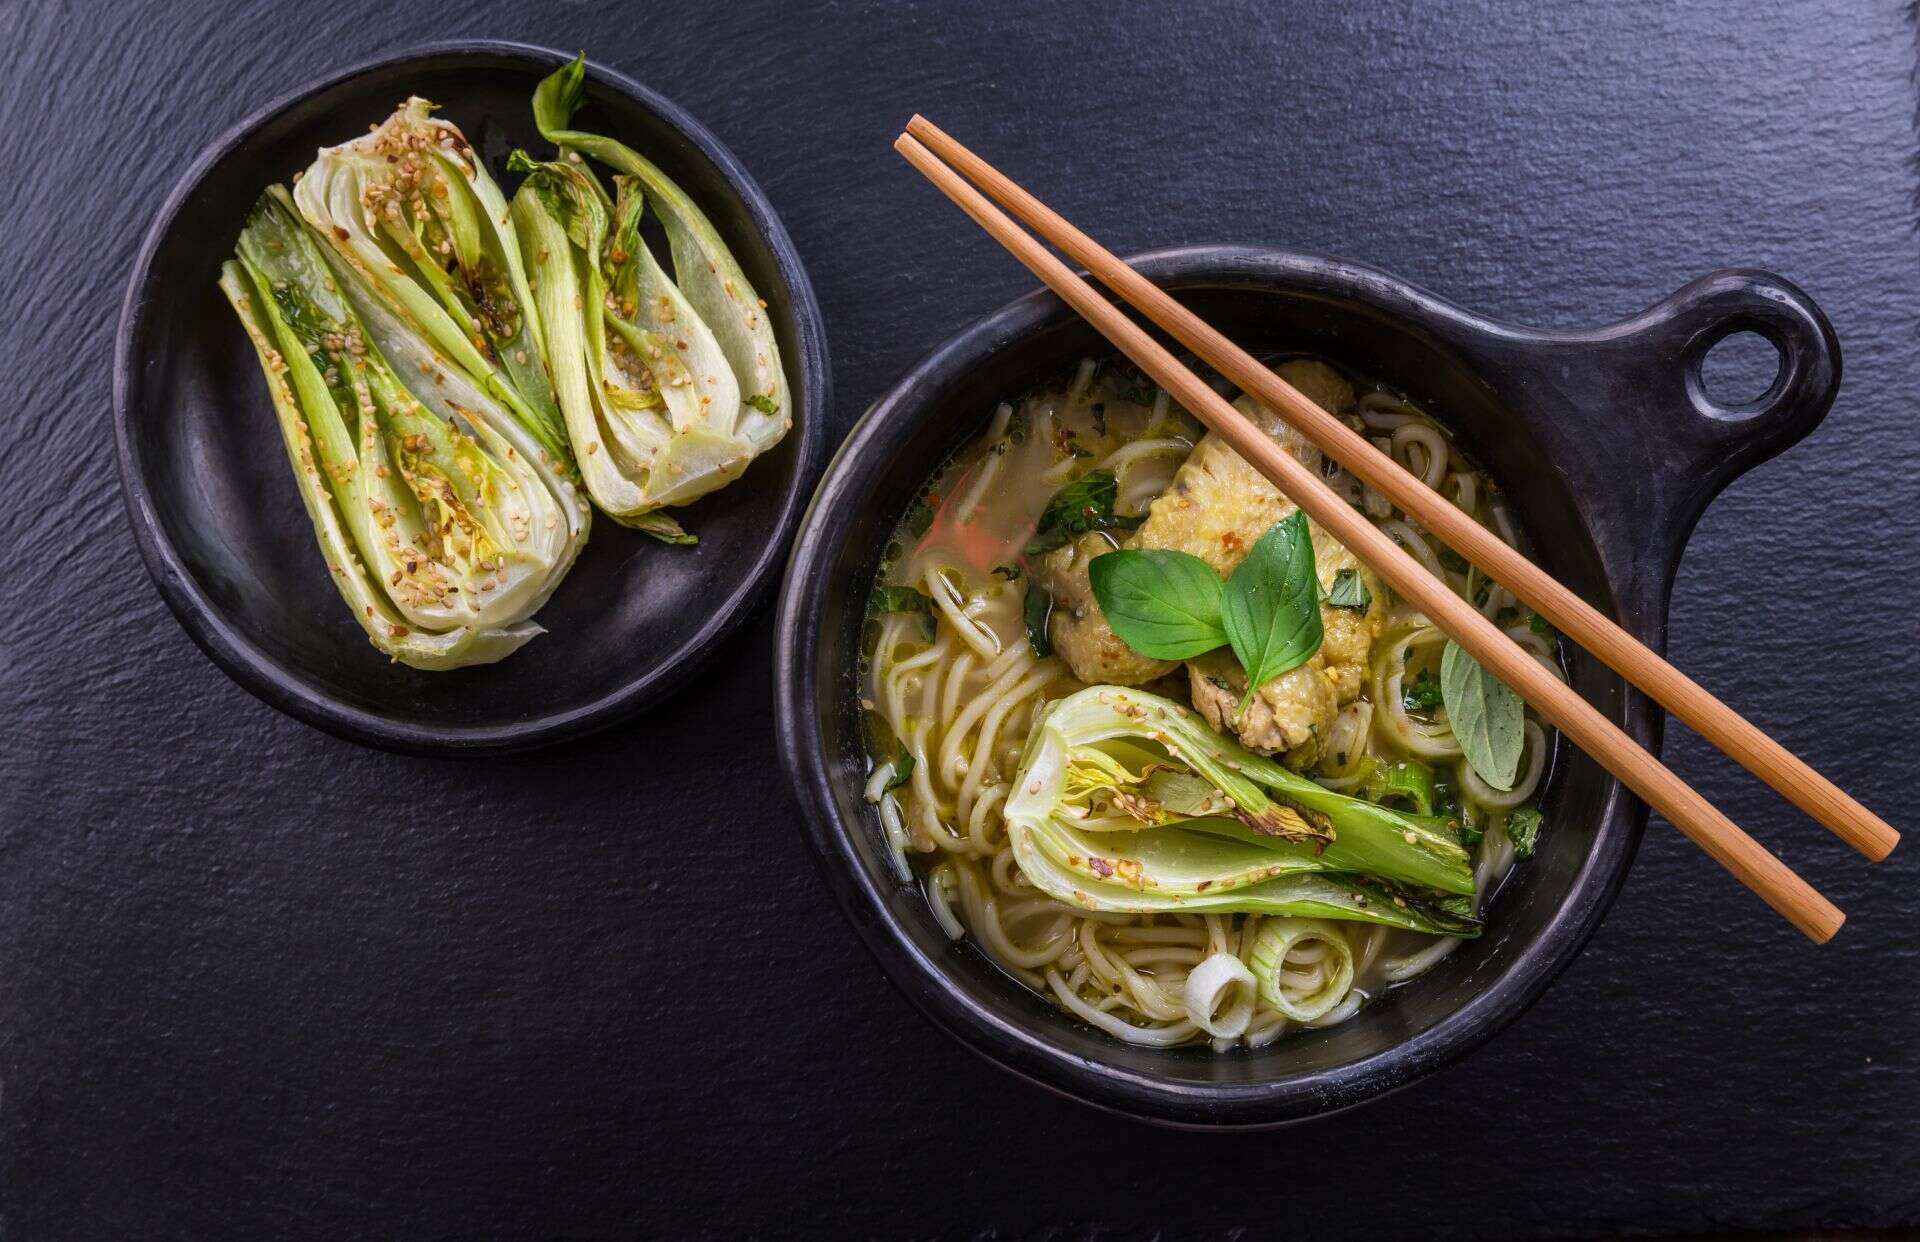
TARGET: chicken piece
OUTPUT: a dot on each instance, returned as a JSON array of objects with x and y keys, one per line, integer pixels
[
  {"x": 1292, "y": 713},
  {"x": 1318, "y": 383},
  {"x": 1079, "y": 630},
  {"x": 1215, "y": 508}
]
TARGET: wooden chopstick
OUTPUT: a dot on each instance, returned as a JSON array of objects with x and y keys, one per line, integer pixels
[
  {"x": 1584, "y": 725},
  {"x": 1577, "y": 619}
]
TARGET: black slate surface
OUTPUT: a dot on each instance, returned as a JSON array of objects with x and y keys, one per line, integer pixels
[{"x": 257, "y": 982}]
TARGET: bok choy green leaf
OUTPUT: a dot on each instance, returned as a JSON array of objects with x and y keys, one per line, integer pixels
[
  {"x": 444, "y": 524},
  {"x": 1127, "y": 802}
]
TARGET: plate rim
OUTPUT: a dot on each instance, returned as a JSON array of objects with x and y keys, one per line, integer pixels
[{"x": 270, "y": 681}]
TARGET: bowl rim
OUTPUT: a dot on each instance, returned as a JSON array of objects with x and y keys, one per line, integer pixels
[
  {"x": 280, "y": 687},
  {"x": 863, "y": 896}
]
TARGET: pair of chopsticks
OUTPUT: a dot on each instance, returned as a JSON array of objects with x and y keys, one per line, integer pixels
[{"x": 951, "y": 167}]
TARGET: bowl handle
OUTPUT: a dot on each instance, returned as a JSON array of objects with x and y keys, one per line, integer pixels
[
  {"x": 1703, "y": 443},
  {"x": 1625, "y": 413}
]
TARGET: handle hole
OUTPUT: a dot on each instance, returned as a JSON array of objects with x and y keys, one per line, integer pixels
[{"x": 1739, "y": 372}]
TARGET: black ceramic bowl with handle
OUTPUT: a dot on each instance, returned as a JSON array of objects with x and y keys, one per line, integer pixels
[
  {"x": 1609, "y": 447},
  {"x": 220, "y": 523}
]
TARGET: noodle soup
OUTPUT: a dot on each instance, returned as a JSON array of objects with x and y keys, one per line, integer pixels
[{"x": 1204, "y": 860}]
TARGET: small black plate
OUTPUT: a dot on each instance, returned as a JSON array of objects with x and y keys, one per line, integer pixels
[{"x": 219, "y": 520}]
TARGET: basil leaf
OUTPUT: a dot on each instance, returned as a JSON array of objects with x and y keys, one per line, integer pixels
[
  {"x": 1523, "y": 829},
  {"x": 1350, "y": 592},
  {"x": 907, "y": 600},
  {"x": 1086, "y": 504},
  {"x": 1489, "y": 720},
  {"x": 1270, "y": 608},
  {"x": 885, "y": 747},
  {"x": 1037, "y": 607},
  {"x": 1163, "y": 604}
]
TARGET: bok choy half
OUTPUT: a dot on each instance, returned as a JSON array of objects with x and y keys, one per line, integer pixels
[
  {"x": 705, "y": 272},
  {"x": 650, "y": 401},
  {"x": 1127, "y": 802},
  {"x": 444, "y": 524},
  {"x": 412, "y": 210}
]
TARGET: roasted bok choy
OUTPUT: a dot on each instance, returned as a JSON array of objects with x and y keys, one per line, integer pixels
[
  {"x": 412, "y": 210},
  {"x": 1126, "y": 802},
  {"x": 649, "y": 399},
  {"x": 443, "y": 523},
  {"x": 708, "y": 304},
  {"x": 447, "y": 365}
]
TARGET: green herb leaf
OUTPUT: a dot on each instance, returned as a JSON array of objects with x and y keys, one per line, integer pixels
[
  {"x": 1523, "y": 829},
  {"x": 904, "y": 599},
  {"x": 885, "y": 747},
  {"x": 1350, "y": 592},
  {"x": 1422, "y": 694},
  {"x": 1163, "y": 604},
  {"x": 1471, "y": 828},
  {"x": 1540, "y": 625},
  {"x": 1086, "y": 504},
  {"x": 1270, "y": 608},
  {"x": 1488, "y": 718},
  {"x": 1038, "y": 606},
  {"x": 919, "y": 517},
  {"x": 1451, "y": 560},
  {"x": 763, "y": 403}
]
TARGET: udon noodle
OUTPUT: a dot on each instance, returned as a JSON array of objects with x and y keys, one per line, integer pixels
[{"x": 959, "y": 686}]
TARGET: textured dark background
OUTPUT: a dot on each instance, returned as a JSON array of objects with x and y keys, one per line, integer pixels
[{"x": 256, "y": 982}]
